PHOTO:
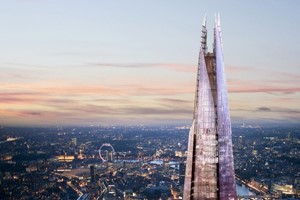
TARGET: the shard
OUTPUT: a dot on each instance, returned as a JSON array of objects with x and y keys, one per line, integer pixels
[{"x": 209, "y": 166}]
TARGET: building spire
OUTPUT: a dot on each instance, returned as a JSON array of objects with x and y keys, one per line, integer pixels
[
  {"x": 204, "y": 21},
  {"x": 218, "y": 20},
  {"x": 204, "y": 36},
  {"x": 218, "y": 28}
]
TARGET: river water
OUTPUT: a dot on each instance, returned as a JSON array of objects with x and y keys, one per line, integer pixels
[{"x": 243, "y": 190}]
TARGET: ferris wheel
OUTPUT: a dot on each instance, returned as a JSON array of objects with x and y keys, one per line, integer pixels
[{"x": 105, "y": 145}]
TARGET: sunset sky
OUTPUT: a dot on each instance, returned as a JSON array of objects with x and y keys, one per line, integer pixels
[{"x": 134, "y": 62}]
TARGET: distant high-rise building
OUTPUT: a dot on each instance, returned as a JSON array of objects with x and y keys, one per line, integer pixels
[
  {"x": 181, "y": 173},
  {"x": 92, "y": 173},
  {"x": 209, "y": 167},
  {"x": 111, "y": 156},
  {"x": 74, "y": 141}
]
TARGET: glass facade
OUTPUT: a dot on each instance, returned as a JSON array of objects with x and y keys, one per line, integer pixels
[{"x": 209, "y": 168}]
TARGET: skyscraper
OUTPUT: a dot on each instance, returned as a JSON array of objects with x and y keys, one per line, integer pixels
[
  {"x": 92, "y": 173},
  {"x": 181, "y": 173},
  {"x": 209, "y": 168}
]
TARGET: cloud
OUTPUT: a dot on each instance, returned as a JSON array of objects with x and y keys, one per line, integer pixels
[
  {"x": 125, "y": 110},
  {"x": 25, "y": 66},
  {"x": 122, "y": 65},
  {"x": 82, "y": 114},
  {"x": 131, "y": 101},
  {"x": 174, "y": 101},
  {"x": 270, "y": 110},
  {"x": 30, "y": 113},
  {"x": 265, "y": 109},
  {"x": 170, "y": 66},
  {"x": 31, "y": 98},
  {"x": 110, "y": 100},
  {"x": 262, "y": 71},
  {"x": 277, "y": 110},
  {"x": 157, "y": 111},
  {"x": 32, "y": 93},
  {"x": 17, "y": 97},
  {"x": 252, "y": 87},
  {"x": 287, "y": 111},
  {"x": 82, "y": 53},
  {"x": 239, "y": 69},
  {"x": 249, "y": 89},
  {"x": 90, "y": 109},
  {"x": 158, "y": 91},
  {"x": 253, "y": 80}
]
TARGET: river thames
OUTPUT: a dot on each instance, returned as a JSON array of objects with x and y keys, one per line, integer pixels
[{"x": 243, "y": 190}]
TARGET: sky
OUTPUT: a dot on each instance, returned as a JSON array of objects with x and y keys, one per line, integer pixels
[{"x": 134, "y": 62}]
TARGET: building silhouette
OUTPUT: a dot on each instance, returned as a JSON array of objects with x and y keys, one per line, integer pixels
[
  {"x": 209, "y": 168},
  {"x": 74, "y": 141},
  {"x": 92, "y": 173},
  {"x": 181, "y": 173}
]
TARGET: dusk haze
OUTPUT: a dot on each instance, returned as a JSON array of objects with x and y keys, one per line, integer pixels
[{"x": 135, "y": 62}]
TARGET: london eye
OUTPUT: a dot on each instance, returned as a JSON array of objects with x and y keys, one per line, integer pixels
[{"x": 101, "y": 150}]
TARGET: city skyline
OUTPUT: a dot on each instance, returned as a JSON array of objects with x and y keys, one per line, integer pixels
[{"x": 75, "y": 63}]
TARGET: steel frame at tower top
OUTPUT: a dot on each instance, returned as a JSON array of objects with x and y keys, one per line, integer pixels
[{"x": 210, "y": 167}]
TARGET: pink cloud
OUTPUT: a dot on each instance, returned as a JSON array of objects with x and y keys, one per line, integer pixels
[
  {"x": 262, "y": 89},
  {"x": 171, "y": 66}
]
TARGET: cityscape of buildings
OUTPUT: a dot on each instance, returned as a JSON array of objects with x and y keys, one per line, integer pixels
[{"x": 148, "y": 162}]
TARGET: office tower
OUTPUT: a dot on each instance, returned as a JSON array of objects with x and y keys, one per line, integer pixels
[
  {"x": 106, "y": 155},
  {"x": 181, "y": 173},
  {"x": 92, "y": 173},
  {"x": 74, "y": 141},
  {"x": 209, "y": 168},
  {"x": 111, "y": 156}
]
